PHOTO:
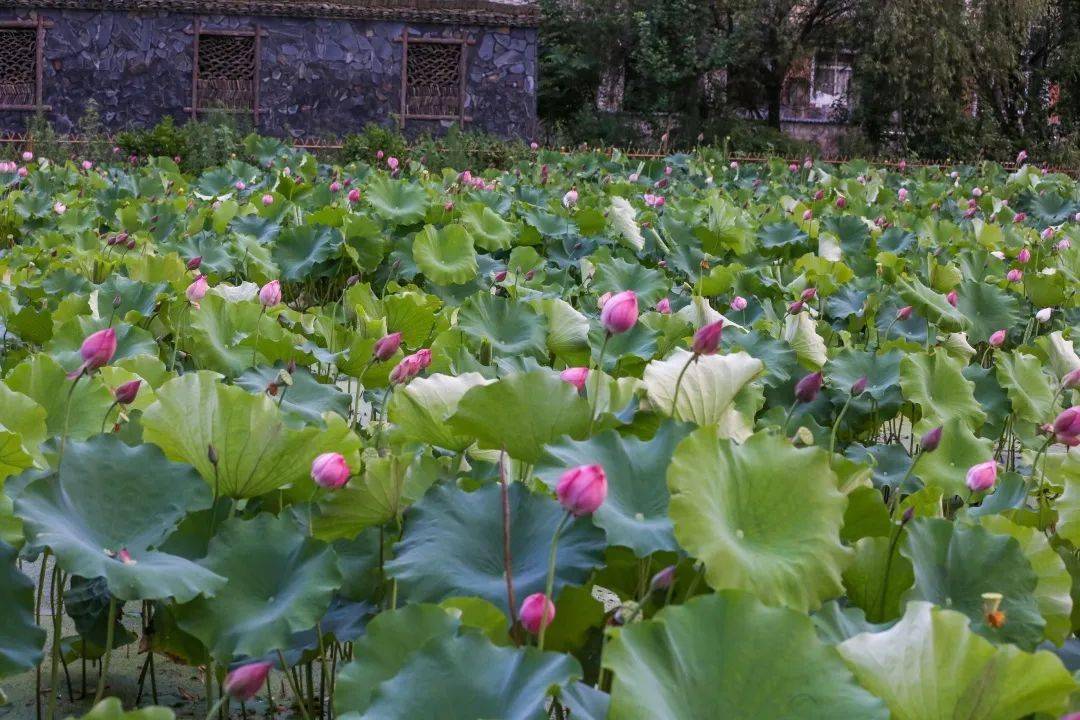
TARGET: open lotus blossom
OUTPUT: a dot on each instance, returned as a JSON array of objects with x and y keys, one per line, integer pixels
[
  {"x": 330, "y": 471},
  {"x": 386, "y": 346},
  {"x": 570, "y": 199},
  {"x": 620, "y": 312},
  {"x": 581, "y": 490},
  {"x": 537, "y": 612},
  {"x": 1021, "y": 157},
  {"x": 245, "y": 681},
  {"x": 807, "y": 389},
  {"x": 126, "y": 393},
  {"x": 1044, "y": 315},
  {"x": 982, "y": 477},
  {"x": 952, "y": 297},
  {"x": 410, "y": 366},
  {"x": 196, "y": 291},
  {"x": 930, "y": 440},
  {"x": 664, "y": 306},
  {"x": 1023, "y": 256},
  {"x": 59, "y": 208},
  {"x": 270, "y": 294},
  {"x": 707, "y": 338},
  {"x": 1015, "y": 275},
  {"x": 653, "y": 201},
  {"x": 576, "y": 376},
  {"x": 96, "y": 350},
  {"x": 1067, "y": 427},
  {"x": 392, "y": 163},
  {"x": 997, "y": 339},
  {"x": 738, "y": 303}
]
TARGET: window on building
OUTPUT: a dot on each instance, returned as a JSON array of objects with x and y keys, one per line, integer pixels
[
  {"x": 832, "y": 73},
  {"x": 433, "y": 79},
  {"x": 20, "y": 64},
  {"x": 226, "y": 72}
]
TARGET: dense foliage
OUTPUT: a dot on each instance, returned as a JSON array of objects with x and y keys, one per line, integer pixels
[{"x": 777, "y": 440}]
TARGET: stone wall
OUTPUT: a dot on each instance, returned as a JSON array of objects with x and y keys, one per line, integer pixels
[{"x": 318, "y": 77}]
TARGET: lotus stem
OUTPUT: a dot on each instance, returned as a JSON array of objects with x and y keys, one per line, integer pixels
[
  {"x": 67, "y": 419},
  {"x": 550, "y": 584},
  {"x": 57, "y": 585},
  {"x": 836, "y": 428},
  {"x": 678, "y": 383},
  {"x": 109, "y": 633},
  {"x": 293, "y": 686},
  {"x": 508, "y": 572},
  {"x": 596, "y": 385}
]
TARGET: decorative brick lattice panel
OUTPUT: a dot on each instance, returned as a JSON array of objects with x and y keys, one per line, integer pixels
[
  {"x": 434, "y": 79},
  {"x": 226, "y": 72},
  {"x": 18, "y": 58}
]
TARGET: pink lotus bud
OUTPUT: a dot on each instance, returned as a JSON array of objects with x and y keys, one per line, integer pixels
[
  {"x": 663, "y": 579},
  {"x": 1021, "y": 157},
  {"x": 807, "y": 164},
  {"x": 976, "y": 192},
  {"x": 859, "y": 386},
  {"x": 576, "y": 376},
  {"x": 620, "y": 312},
  {"x": 386, "y": 346},
  {"x": 738, "y": 303},
  {"x": 1023, "y": 256},
  {"x": 335, "y": 187},
  {"x": 240, "y": 186},
  {"x": 1019, "y": 217},
  {"x": 570, "y": 199},
  {"x": 196, "y": 291},
  {"x": 902, "y": 165},
  {"x": 194, "y": 263},
  {"x": 904, "y": 313},
  {"x": 819, "y": 195},
  {"x": 97, "y": 350},
  {"x": 87, "y": 165},
  {"x": 27, "y": 156},
  {"x": 354, "y": 195},
  {"x": 841, "y": 202},
  {"x": 270, "y": 294},
  {"x": 410, "y": 366},
  {"x": 982, "y": 477},
  {"x": 1071, "y": 381},
  {"x": 952, "y": 297},
  {"x": 1044, "y": 315},
  {"x": 243, "y": 682},
  {"x": 126, "y": 393},
  {"x": 59, "y": 208},
  {"x": 807, "y": 389},
  {"x": 534, "y": 145},
  {"x": 1048, "y": 233},
  {"x": 449, "y": 206},
  {"x": 581, "y": 490},
  {"x": 931, "y": 439},
  {"x": 1076, "y": 217},
  {"x": 793, "y": 167},
  {"x": 330, "y": 471},
  {"x": 808, "y": 294},
  {"x": 707, "y": 339},
  {"x": 125, "y": 557},
  {"x": 1067, "y": 427},
  {"x": 23, "y": 172},
  {"x": 734, "y": 165},
  {"x": 668, "y": 170},
  {"x": 664, "y": 306},
  {"x": 379, "y": 155},
  {"x": 795, "y": 308},
  {"x": 634, "y": 177},
  {"x": 901, "y": 194},
  {"x": 808, "y": 215},
  {"x": 392, "y": 163},
  {"x": 603, "y": 299},
  {"x": 537, "y": 612},
  {"x": 1063, "y": 245},
  {"x": 500, "y": 276},
  {"x": 997, "y": 339},
  {"x": 267, "y": 200},
  {"x": 1015, "y": 275}
]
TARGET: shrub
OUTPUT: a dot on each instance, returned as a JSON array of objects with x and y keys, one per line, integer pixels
[{"x": 364, "y": 146}]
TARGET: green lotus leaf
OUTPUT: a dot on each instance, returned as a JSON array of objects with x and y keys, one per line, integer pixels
[
  {"x": 521, "y": 413},
  {"x": 782, "y": 235},
  {"x": 729, "y": 510},
  {"x": 615, "y": 275},
  {"x": 896, "y": 240},
  {"x": 421, "y": 409},
  {"x": 835, "y": 623},
  {"x": 44, "y": 381},
  {"x": 280, "y": 582},
  {"x": 305, "y": 398},
  {"x": 936, "y": 383},
  {"x": 21, "y": 640},
  {"x": 510, "y": 327},
  {"x": 412, "y": 314},
  {"x": 947, "y": 466},
  {"x": 882, "y": 373},
  {"x": 399, "y": 203},
  {"x": 1054, "y": 583},
  {"x": 780, "y": 361},
  {"x": 488, "y": 230},
  {"x": 111, "y": 709},
  {"x": 932, "y": 305},
  {"x": 1027, "y": 385},
  {"x": 480, "y": 615},
  {"x": 878, "y": 578},
  {"x": 800, "y": 332},
  {"x": 988, "y": 308},
  {"x": 136, "y": 296},
  {"x": 218, "y": 332},
  {"x": 453, "y": 546},
  {"x": 866, "y": 515},
  {"x": 258, "y": 449},
  {"x": 1063, "y": 470},
  {"x": 110, "y": 497},
  {"x": 931, "y": 666},
  {"x": 446, "y": 256},
  {"x": 729, "y": 656},
  {"x": 955, "y": 565},
  {"x": 22, "y": 430},
  {"x": 635, "y": 512},
  {"x": 300, "y": 251},
  {"x": 568, "y": 331},
  {"x": 709, "y": 385}
]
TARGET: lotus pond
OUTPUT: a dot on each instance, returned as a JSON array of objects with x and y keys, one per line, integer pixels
[{"x": 590, "y": 438}]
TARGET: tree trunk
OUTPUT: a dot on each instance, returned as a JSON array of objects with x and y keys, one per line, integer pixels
[{"x": 774, "y": 86}]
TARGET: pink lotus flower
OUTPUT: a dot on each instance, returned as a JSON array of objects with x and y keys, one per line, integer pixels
[
  {"x": 410, "y": 366},
  {"x": 196, "y": 291},
  {"x": 335, "y": 187},
  {"x": 270, "y": 294},
  {"x": 808, "y": 215},
  {"x": 931, "y": 439},
  {"x": 952, "y": 297},
  {"x": 982, "y": 477},
  {"x": 97, "y": 350},
  {"x": 997, "y": 339},
  {"x": 243, "y": 682},
  {"x": 379, "y": 155},
  {"x": 976, "y": 192},
  {"x": 1019, "y": 217},
  {"x": 240, "y": 186},
  {"x": 796, "y": 307},
  {"x": 194, "y": 263},
  {"x": 602, "y": 300},
  {"x": 1063, "y": 245},
  {"x": 664, "y": 306},
  {"x": 1044, "y": 315},
  {"x": 576, "y": 376},
  {"x": 793, "y": 168},
  {"x": 738, "y": 303},
  {"x": 126, "y": 393},
  {"x": 1023, "y": 256},
  {"x": 330, "y": 471},
  {"x": 841, "y": 202},
  {"x": 386, "y": 346},
  {"x": 1047, "y": 233},
  {"x": 902, "y": 166},
  {"x": 663, "y": 579},
  {"x": 807, "y": 389},
  {"x": 354, "y": 195},
  {"x": 537, "y": 612},
  {"x": 500, "y": 276},
  {"x": 59, "y": 208},
  {"x": 392, "y": 163},
  {"x": 27, "y": 156},
  {"x": 902, "y": 194},
  {"x": 1067, "y": 426},
  {"x": 734, "y": 165},
  {"x": 87, "y": 165},
  {"x": 707, "y": 339},
  {"x": 1015, "y": 275},
  {"x": 534, "y": 145},
  {"x": 23, "y": 172},
  {"x": 620, "y": 312},
  {"x": 808, "y": 294},
  {"x": 570, "y": 199},
  {"x": 1071, "y": 381},
  {"x": 1021, "y": 157},
  {"x": 581, "y": 490},
  {"x": 267, "y": 200}
]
